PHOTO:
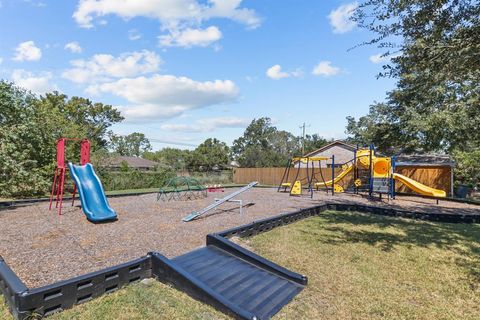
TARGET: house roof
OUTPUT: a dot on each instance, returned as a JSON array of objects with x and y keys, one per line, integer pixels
[
  {"x": 134, "y": 162},
  {"x": 432, "y": 160},
  {"x": 331, "y": 144}
]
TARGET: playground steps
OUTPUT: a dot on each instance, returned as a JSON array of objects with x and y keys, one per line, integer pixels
[{"x": 246, "y": 289}]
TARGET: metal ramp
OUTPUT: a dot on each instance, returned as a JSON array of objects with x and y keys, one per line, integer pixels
[
  {"x": 196, "y": 214},
  {"x": 248, "y": 288}
]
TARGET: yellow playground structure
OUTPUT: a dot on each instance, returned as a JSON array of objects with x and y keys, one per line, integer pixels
[
  {"x": 310, "y": 179},
  {"x": 366, "y": 172}
]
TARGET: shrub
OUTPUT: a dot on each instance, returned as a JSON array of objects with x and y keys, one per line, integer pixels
[
  {"x": 135, "y": 179},
  {"x": 467, "y": 170}
]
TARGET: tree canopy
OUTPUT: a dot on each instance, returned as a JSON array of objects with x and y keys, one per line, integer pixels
[
  {"x": 436, "y": 59},
  {"x": 29, "y": 128},
  {"x": 134, "y": 145},
  {"x": 263, "y": 145},
  {"x": 209, "y": 154},
  {"x": 175, "y": 158}
]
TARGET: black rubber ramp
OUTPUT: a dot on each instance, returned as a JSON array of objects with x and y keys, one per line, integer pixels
[{"x": 243, "y": 284}]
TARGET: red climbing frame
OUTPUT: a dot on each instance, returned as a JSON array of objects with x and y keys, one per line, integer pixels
[{"x": 59, "y": 175}]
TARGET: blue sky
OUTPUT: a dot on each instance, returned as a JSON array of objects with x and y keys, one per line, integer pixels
[{"x": 185, "y": 70}]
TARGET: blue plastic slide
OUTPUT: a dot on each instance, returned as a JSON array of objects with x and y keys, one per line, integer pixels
[{"x": 94, "y": 202}]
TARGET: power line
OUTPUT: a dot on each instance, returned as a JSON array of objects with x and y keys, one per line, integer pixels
[{"x": 176, "y": 143}]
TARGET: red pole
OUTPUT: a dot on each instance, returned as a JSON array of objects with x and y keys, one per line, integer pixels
[
  {"x": 84, "y": 152},
  {"x": 59, "y": 181},
  {"x": 53, "y": 188},
  {"x": 61, "y": 192}
]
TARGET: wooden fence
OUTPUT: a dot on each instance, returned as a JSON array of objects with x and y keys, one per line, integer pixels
[
  {"x": 273, "y": 176},
  {"x": 435, "y": 177}
]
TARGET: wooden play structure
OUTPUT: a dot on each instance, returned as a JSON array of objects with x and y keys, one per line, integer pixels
[{"x": 366, "y": 172}]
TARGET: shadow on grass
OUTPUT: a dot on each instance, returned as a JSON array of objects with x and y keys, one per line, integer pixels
[{"x": 388, "y": 232}]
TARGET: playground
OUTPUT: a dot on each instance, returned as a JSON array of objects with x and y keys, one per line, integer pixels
[
  {"x": 43, "y": 247},
  {"x": 56, "y": 254}
]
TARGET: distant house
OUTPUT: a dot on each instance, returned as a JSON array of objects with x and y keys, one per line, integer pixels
[
  {"x": 342, "y": 151},
  {"x": 115, "y": 163}
]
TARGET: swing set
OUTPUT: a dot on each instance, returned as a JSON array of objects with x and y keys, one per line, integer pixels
[{"x": 310, "y": 180}]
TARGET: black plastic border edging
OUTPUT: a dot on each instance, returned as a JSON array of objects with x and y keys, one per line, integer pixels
[
  {"x": 12, "y": 287},
  {"x": 45, "y": 300},
  {"x": 24, "y": 303}
]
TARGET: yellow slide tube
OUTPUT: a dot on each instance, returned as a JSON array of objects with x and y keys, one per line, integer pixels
[
  {"x": 337, "y": 178},
  {"x": 418, "y": 187}
]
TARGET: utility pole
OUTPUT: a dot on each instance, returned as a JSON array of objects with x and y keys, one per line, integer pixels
[{"x": 303, "y": 126}]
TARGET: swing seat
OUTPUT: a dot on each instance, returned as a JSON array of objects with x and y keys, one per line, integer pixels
[{"x": 286, "y": 184}]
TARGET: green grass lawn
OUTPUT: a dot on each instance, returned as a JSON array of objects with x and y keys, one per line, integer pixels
[
  {"x": 137, "y": 301},
  {"x": 364, "y": 266},
  {"x": 359, "y": 266}
]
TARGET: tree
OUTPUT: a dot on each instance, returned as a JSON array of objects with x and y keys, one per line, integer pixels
[
  {"x": 96, "y": 118},
  {"x": 133, "y": 145},
  {"x": 209, "y": 154},
  {"x": 467, "y": 169},
  {"x": 19, "y": 170},
  {"x": 263, "y": 145},
  {"x": 29, "y": 128},
  {"x": 435, "y": 104},
  {"x": 314, "y": 142},
  {"x": 174, "y": 158}
]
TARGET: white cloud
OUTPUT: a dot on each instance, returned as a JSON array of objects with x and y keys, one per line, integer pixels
[
  {"x": 104, "y": 67},
  {"x": 181, "y": 19},
  {"x": 275, "y": 72},
  {"x": 340, "y": 18},
  {"x": 1, "y": 60},
  {"x": 207, "y": 125},
  {"x": 37, "y": 83},
  {"x": 168, "y": 12},
  {"x": 191, "y": 37},
  {"x": 325, "y": 68},
  {"x": 27, "y": 51},
  {"x": 133, "y": 34},
  {"x": 73, "y": 47},
  {"x": 166, "y": 96}
]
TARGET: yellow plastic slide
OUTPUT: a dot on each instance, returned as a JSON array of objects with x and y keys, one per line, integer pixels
[
  {"x": 337, "y": 178},
  {"x": 418, "y": 187}
]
